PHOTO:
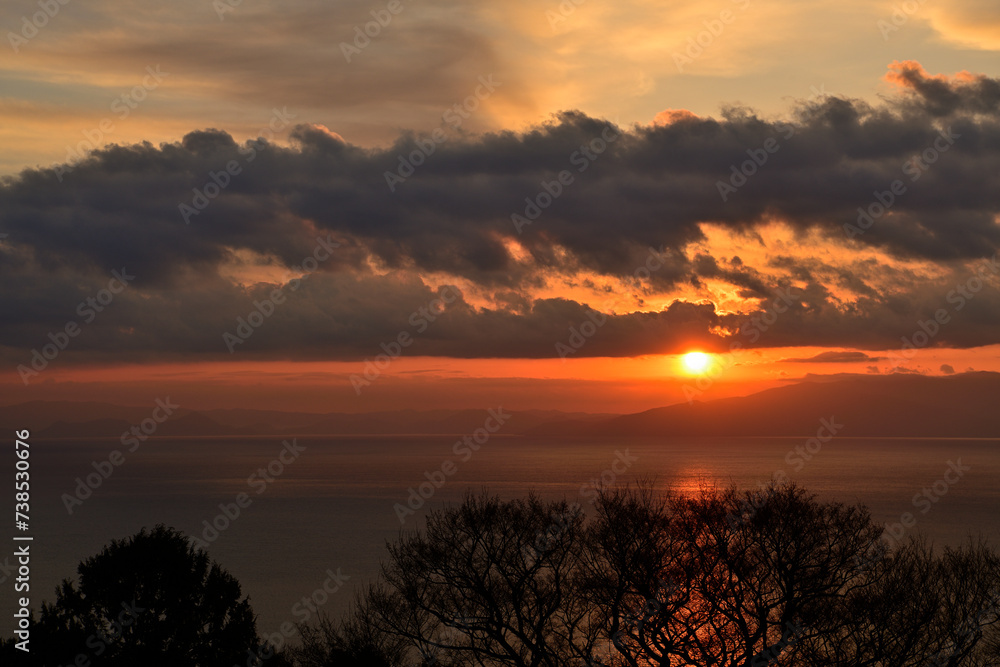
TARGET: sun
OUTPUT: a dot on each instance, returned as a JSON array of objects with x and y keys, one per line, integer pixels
[{"x": 696, "y": 363}]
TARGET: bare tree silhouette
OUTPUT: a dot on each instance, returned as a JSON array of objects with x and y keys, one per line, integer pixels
[
  {"x": 921, "y": 609},
  {"x": 492, "y": 582},
  {"x": 719, "y": 578},
  {"x": 354, "y": 641},
  {"x": 720, "y": 585}
]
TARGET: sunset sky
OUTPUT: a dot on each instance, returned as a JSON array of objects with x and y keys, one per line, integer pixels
[{"x": 533, "y": 204}]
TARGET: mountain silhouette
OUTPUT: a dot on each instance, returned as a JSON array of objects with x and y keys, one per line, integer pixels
[
  {"x": 885, "y": 406},
  {"x": 900, "y": 405}
]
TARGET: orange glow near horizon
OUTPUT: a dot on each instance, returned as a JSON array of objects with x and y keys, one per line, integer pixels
[{"x": 588, "y": 384}]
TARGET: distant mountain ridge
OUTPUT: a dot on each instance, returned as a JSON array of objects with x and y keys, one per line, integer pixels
[
  {"x": 61, "y": 419},
  {"x": 963, "y": 405},
  {"x": 956, "y": 406}
]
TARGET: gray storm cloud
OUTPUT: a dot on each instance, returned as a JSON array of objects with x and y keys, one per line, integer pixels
[{"x": 652, "y": 187}]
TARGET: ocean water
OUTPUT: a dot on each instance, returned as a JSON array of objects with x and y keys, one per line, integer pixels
[{"x": 331, "y": 508}]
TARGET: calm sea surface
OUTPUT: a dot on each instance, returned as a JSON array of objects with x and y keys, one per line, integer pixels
[{"x": 332, "y": 507}]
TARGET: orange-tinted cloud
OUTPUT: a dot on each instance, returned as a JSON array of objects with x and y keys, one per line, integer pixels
[
  {"x": 532, "y": 231},
  {"x": 911, "y": 74},
  {"x": 969, "y": 23},
  {"x": 671, "y": 116},
  {"x": 618, "y": 61}
]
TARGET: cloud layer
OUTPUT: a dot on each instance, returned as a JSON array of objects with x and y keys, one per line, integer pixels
[
  {"x": 230, "y": 62},
  {"x": 534, "y": 230}
]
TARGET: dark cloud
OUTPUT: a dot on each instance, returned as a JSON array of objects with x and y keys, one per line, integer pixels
[
  {"x": 631, "y": 190},
  {"x": 334, "y": 316},
  {"x": 836, "y": 357},
  {"x": 941, "y": 96},
  {"x": 947, "y": 369}
]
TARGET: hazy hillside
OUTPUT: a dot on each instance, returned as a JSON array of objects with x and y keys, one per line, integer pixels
[
  {"x": 894, "y": 406},
  {"x": 92, "y": 420}
]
